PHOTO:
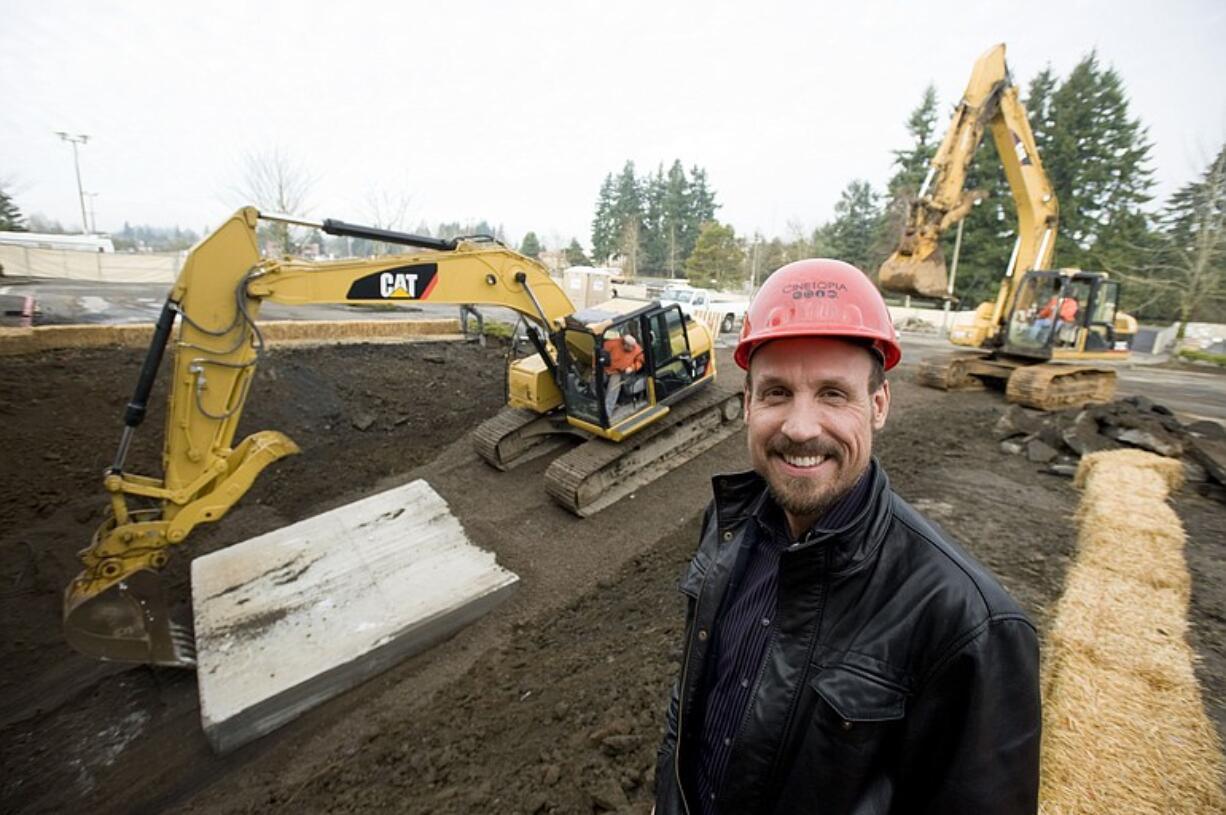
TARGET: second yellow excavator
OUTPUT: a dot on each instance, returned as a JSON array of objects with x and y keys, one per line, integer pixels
[
  {"x": 630, "y": 378},
  {"x": 1040, "y": 316}
]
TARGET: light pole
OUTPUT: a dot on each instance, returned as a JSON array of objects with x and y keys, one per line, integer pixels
[
  {"x": 93, "y": 212},
  {"x": 74, "y": 140}
]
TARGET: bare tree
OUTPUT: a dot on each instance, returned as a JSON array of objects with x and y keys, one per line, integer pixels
[
  {"x": 1188, "y": 265},
  {"x": 274, "y": 182},
  {"x": 387, "y": 210}
]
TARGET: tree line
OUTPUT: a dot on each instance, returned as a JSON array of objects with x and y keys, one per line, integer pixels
[
  {"x": 1097, "y": 155},
  {"x": 652, "y": 222}
]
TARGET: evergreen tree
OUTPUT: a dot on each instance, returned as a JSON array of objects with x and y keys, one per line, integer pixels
[
  {"x": 911, "y": 165},
  {"x": 628, "y": 211},
  {"x": 531, "y": 246},
  {"x": 1096, "y": 156},
  {"x": 654, "y": 243},
  {"x": 575, "y": 255},
  {"x": 652, "y": 222},
  {"x": 604, "y": 225},
  {"x": 702, "y": 201},
  {"x": 853, "y": 232},
  {"x": 679, "y": 233},
  {"x": 11, "y": 219},
  {"x": 1038, "y": 108},
  {"x": 717, "y": 258}
]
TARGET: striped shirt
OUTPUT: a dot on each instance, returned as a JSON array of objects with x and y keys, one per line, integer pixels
[{"x": 743, "y": 631}]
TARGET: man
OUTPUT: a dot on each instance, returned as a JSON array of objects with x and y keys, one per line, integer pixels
[
  {"x": 625, "y": 358},
  {"x": 1062, "y": 310},
  {"x": 841, "y": 654}
]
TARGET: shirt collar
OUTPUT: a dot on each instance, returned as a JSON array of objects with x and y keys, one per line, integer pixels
[{"x": 770, "y": 515}]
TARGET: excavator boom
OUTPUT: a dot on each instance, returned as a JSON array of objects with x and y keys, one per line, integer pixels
[
  {"x": 1019, "y": 340},
  {"x": 115, "y": 608},
  {"x": 990, "y": 102}
]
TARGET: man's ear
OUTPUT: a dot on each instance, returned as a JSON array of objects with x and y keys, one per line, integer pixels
[{"x": 881, "y": 405}]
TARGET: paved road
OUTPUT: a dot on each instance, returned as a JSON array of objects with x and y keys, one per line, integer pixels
[
  {"x": 1195, "y": 394},
  {"x": 1191, "y": 393}
]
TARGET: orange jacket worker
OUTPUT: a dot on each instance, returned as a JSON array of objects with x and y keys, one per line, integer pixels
[
  {"x": 1068, "y": 309},
  {"x": 625, "y": 355}
]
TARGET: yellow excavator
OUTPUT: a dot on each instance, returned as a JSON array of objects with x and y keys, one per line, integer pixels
[
  {"x": 635, "y": 422},
  {"x": 1042, "y": 319}
]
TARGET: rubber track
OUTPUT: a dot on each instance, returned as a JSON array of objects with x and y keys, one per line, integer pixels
[
  {"x": 1051, "y": 386},
  {"x": 598, "y": 473}
]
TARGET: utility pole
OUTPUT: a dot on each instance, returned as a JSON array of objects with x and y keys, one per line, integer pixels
[
  {"x": 93, "y": 212},
  {"x": 74, "y": 140},
  {"x": 953, "y": 275}
]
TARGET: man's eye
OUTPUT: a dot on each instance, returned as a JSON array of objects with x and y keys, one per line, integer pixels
[
  {"x": 833, "y": 394},
  {"x": 774, "y": 393}
]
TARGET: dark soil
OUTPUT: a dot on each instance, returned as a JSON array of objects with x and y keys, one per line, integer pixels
[{"x": 552, "y": 705}]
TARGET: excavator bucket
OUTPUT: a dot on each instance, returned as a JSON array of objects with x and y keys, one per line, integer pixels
[
  {"x": 915, "y": 275},
  {"x": 128, "y": 622}
]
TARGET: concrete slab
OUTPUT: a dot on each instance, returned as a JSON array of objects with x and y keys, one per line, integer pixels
[{"x": 292, "y": 618}]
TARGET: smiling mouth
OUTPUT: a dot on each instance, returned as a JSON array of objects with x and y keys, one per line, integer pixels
[{"x": 803, "y": 462}]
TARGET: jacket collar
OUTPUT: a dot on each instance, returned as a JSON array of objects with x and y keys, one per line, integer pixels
[{"x": 742, "y": 496}]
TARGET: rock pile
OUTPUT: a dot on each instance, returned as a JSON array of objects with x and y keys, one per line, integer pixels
[{"x": 1058, "y": 440}]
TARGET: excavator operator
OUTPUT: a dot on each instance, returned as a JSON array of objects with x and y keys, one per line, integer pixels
[
  {"x": 625, "y": 359},
  {"x": 1063, "y": 311}
]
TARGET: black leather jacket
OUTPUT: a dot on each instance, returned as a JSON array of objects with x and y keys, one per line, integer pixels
[{"x": 900, "y": 678}]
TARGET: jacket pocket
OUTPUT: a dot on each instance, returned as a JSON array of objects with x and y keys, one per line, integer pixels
[
  {"x": 854, "y": 709},
  {"x": 846, "y": 755}
]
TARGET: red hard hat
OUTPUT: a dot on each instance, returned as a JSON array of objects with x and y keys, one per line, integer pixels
[{"x": 819, "y": 298}]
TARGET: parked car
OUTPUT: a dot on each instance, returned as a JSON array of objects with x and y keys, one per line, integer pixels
[{"x": 730, "y": 307}]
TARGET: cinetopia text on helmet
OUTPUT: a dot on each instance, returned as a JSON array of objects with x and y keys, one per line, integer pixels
[{"x": 814, "y": 288}]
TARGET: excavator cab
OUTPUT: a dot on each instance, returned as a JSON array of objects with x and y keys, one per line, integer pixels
[
  {"x": 1067, "y": 314},
  {"x": 621, "y": 363}
]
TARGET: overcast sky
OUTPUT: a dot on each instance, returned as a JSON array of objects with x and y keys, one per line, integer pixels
[{"x": 514, "y": 112}]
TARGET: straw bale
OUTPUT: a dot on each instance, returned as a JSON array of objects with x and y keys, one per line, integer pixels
[
  {"x": 1124, "y": 465},
  {"x": 1165, "y": 567},
  {"x": 1124, "y": 728},
  {"x": 1147, "y": 547},
  {"x": 1112, "y": 743},
  {"x": 1121, "y": 623}
]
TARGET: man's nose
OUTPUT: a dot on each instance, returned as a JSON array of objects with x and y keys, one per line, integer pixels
[{"x": 804, "y": 420}]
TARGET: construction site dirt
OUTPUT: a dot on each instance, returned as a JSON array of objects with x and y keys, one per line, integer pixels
[{"x": 553, "y": 704}]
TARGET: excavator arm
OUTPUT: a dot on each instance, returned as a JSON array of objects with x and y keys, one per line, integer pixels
[
  {"x": 115, "y": 609},
  {"x": 991, "y": 102}
]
